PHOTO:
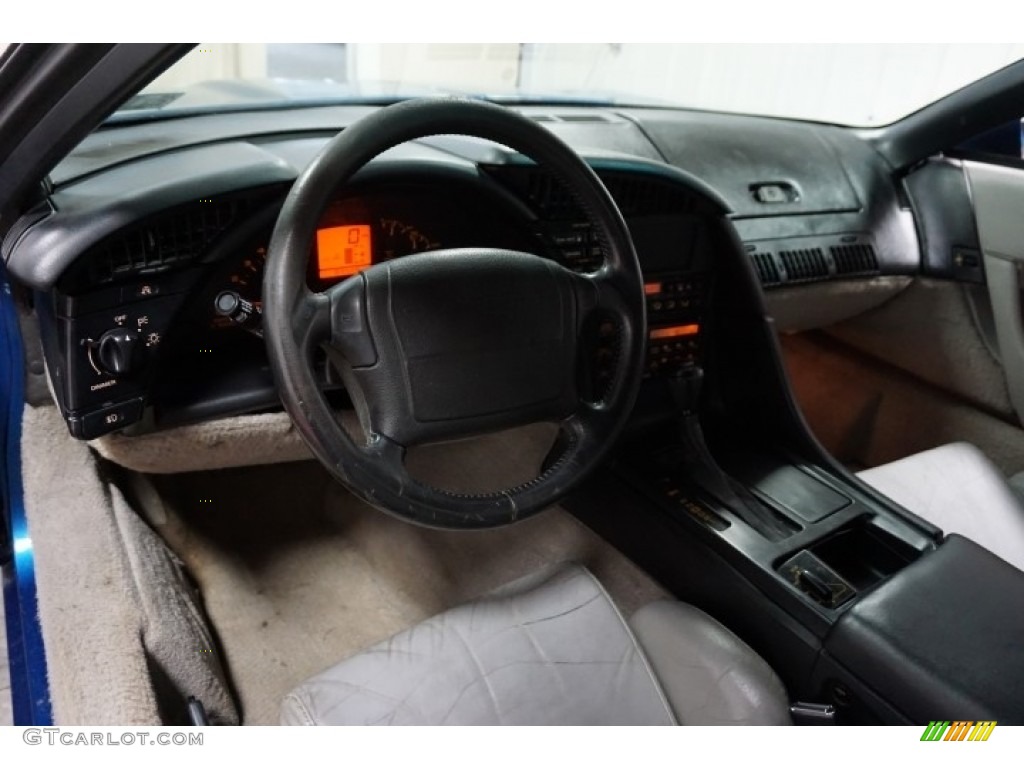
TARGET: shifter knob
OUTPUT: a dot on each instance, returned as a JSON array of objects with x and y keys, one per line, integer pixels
[
  {"x": 685, "y": 386},
  {"x": 117, "y": 352}
]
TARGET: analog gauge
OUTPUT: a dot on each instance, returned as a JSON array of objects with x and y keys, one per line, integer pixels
[
  {"x": 400, "y": 238},
  {"x": 348, "y": 240}
]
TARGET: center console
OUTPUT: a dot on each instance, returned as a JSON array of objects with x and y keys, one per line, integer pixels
[
  {"x": 857, "y": 605},
  {"x": 720, "y": 492}
]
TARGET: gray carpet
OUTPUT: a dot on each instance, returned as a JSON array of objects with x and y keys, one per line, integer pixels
[
  {"x": 6, "y": 714},
  {"x": 297, "y": 574},
  {"x": 125, "y": 637}
]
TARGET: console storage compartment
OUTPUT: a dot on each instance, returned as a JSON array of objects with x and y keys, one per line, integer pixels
[
  {"x": 943, "y": 639},
  {"x": 855, "y": 558}
]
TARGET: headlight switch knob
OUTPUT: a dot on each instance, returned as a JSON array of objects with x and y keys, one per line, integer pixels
[{"x": 118, "y": 352}]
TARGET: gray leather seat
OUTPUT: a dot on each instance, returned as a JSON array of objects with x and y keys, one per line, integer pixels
[
  {"x": 549, "y": 649},
  {"x": 958, "y": 489}
]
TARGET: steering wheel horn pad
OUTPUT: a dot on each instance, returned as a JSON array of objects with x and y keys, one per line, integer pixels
[
  {"x": 466, "y": 342},
  {"x": 447, "y": 344}
]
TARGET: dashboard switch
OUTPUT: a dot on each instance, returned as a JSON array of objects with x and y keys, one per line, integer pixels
[
  {"x": 238, "y": 310},
  {"x": 105, "y": 420},
  {"x": 117, "y": 352}
]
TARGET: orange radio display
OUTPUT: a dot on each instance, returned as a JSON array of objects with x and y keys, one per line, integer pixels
[
  {"x": 343, "y": 251},
  {"x": 674, "y": 331}
]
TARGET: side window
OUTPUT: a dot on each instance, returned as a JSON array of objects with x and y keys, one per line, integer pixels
[{"x": 1001, "y": 145}]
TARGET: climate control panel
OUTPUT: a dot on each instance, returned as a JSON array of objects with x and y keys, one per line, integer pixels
[{"x": 675, "y": 308}]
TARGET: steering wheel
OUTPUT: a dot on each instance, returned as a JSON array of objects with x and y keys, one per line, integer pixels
[{"x": 453, "y": 343}]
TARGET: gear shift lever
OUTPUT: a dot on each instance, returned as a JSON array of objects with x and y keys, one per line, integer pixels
[{"x": 685, "y": 386}]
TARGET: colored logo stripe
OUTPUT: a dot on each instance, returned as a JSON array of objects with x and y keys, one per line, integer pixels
[
  {"x": 935, "y": 730},
  {"x": 982, "y": 730},
  {"x": 958, "y": 730}
]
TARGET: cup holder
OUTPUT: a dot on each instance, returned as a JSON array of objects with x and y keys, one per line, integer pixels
[{"x": 850, "y": 561}]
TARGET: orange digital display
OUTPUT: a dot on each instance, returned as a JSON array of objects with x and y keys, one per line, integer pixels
[
  {"x": 675, "y": 331},
  {"x": 652, "y": 289},
  {"x": 343, "y": 251}
]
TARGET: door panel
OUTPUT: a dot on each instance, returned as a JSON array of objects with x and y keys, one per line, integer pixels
[{"x": 998, "y": 194}]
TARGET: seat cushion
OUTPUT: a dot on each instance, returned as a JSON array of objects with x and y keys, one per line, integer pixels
[
  {"x": 959, "y": 490},
  {"x": 709, "y": 675},
  {"x": 552, "y": 649}
]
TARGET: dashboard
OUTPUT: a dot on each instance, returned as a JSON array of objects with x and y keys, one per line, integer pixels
[{"x": 147, "y": 260}]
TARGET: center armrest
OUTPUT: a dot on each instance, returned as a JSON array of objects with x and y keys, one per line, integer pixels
[{"x": 943, "y": 638}]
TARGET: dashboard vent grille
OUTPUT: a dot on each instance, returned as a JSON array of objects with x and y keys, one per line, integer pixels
[
  {"x": 551, "y": 196},
  {"x": 854, "y": 259},
  {"x": 804, "y": 264},
  {"x": 174, "y": 239},
  {"x": 635, "y": 196},
  {"x": 646, "y": 196},
  {"x": 767, "y": 269},
  {"x": 583, "y": 118},
  {"x": 570, "y": 117}
]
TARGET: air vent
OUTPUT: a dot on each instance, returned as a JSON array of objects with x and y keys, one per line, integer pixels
[
  {"x": 149, "y": 101},
  {"x": 858, "y": 259},
  {"x": 638, "y": 196},
  {"x": 635, "y": 196},
  {"x": 551, "y": 196},
  {"x": 584, "y": 118},
  {"x": 151, "y": 247},
  {"x": 804, "y": 264},
  {"x": 767, "y": 269},
  {"x": 545, "y": 117}
]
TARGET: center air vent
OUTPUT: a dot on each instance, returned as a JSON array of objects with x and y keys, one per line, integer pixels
[
  {"x": 551, "y": 196},
  {"x": 644, "y": 197},
  {"x": 804, "y": 264},
  {"x": 636, "y": 195}
]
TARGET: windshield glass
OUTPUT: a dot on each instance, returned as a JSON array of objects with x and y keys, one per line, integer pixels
[{"x": 847, "y": 84}]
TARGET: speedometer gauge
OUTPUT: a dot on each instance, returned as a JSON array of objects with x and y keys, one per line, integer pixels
[{"x": 401, "y": 237}]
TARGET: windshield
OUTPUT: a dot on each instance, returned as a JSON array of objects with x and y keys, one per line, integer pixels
[{"x": 847, "y": 84}]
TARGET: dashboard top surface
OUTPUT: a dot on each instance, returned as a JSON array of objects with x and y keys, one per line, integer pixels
[{"x": 778, "y": 179}]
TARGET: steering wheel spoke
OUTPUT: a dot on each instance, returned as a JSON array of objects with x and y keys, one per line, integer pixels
[
  {"x": 310, "y": 319},
  {"x": 349, "y": 331},
  {"x": 608, "y": 330}
]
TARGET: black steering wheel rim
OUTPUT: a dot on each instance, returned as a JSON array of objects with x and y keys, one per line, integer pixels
[{"x": 297, "y": 321}]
